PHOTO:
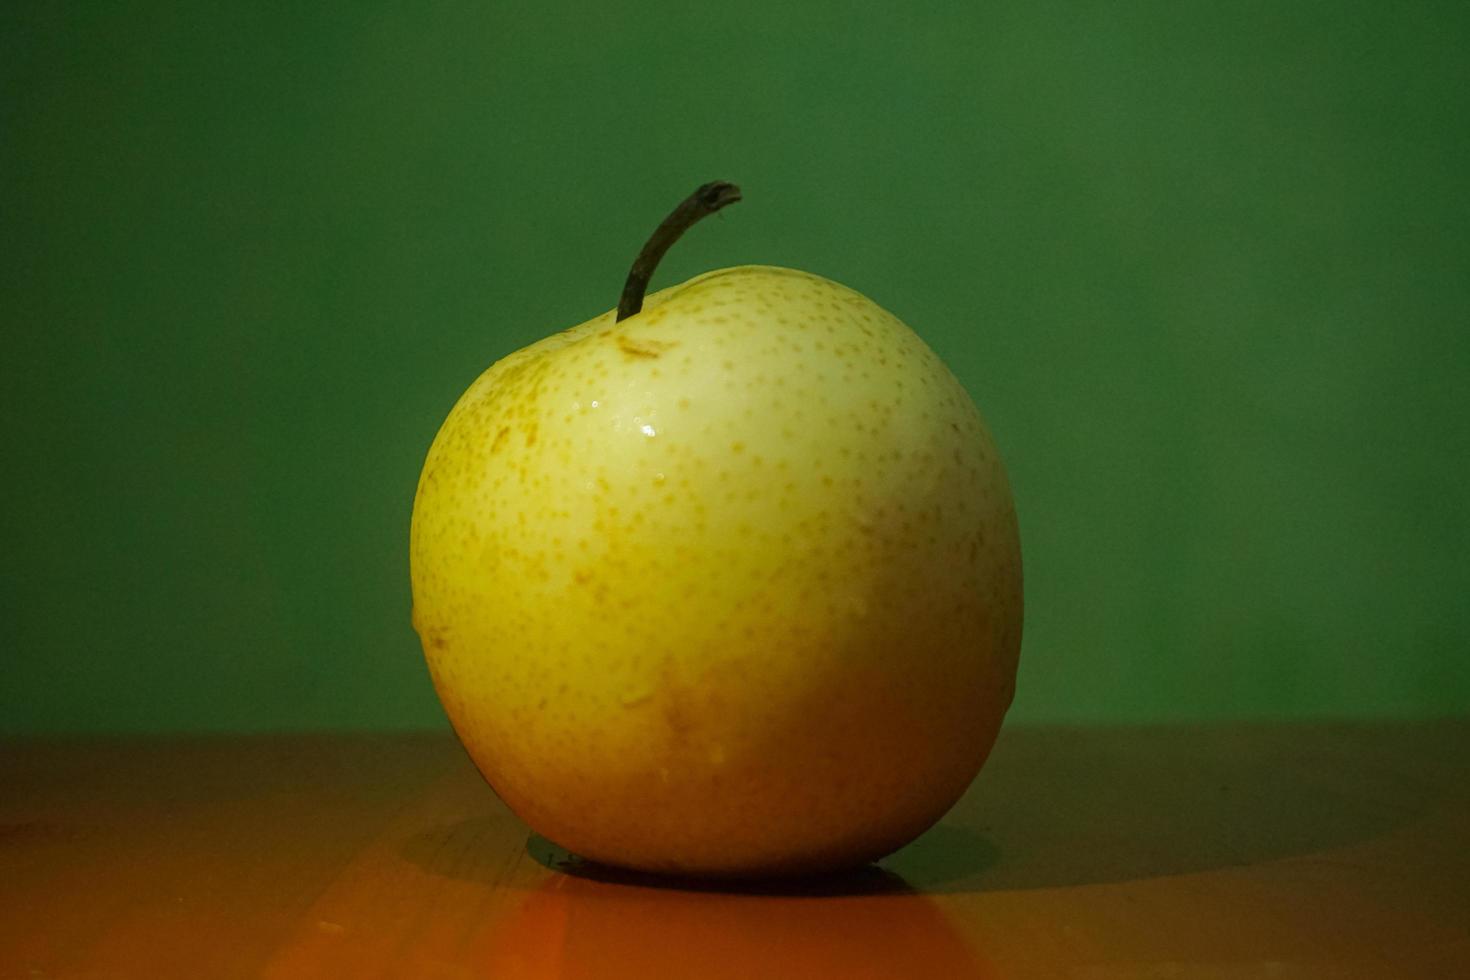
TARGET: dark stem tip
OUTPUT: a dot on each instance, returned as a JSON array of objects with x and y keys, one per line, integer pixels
[{"x": 716, "y": 194}]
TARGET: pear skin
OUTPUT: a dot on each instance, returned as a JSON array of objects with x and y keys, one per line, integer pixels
[{"x": 729, "y": 587}]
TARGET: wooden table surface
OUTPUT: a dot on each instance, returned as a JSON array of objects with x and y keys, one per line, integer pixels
[{"x": 1231, "y": 852}]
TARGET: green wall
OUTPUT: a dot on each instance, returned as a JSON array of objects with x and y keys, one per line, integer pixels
[{"x": 1205, "y": 267}]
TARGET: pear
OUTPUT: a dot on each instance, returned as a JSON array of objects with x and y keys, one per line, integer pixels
[{"x": 726, "y": 583}]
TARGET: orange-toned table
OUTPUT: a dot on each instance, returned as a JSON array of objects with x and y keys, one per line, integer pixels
[{"x": 1228, "y": 852}]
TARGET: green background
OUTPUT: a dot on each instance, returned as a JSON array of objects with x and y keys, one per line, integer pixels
[{"x": 1205, "y": 268}]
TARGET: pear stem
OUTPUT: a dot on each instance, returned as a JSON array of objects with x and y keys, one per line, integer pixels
[{"x": 708, "y": 199}]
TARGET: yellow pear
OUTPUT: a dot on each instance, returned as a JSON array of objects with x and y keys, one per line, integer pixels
[{"x": 728, "y": 586}]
